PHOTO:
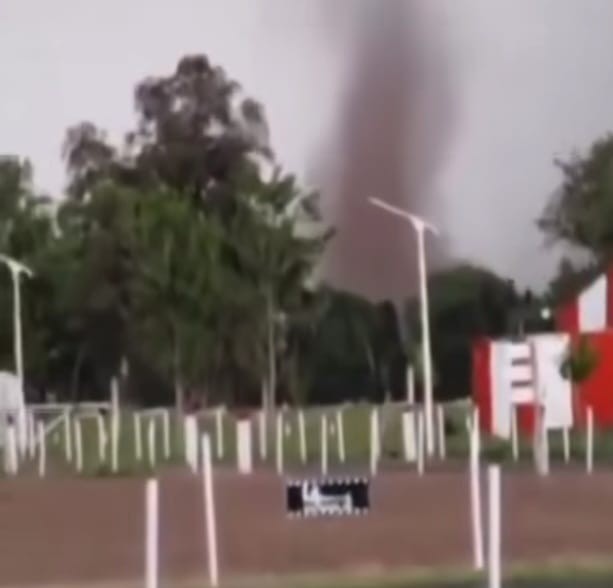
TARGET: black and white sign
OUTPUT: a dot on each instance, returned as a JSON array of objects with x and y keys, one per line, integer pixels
[{"x": 332, "y": 497}]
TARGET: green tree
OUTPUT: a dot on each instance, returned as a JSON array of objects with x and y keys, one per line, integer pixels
[
  {"x": 176, "y": 284},
  {"x": 270, "y": 254},
  {"x": 580, "y": 214}
]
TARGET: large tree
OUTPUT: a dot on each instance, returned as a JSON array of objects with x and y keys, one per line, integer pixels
[{"x": 199, "y": 140}]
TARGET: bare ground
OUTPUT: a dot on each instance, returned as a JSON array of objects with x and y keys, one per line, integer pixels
[{"x": 75, "y": 531}]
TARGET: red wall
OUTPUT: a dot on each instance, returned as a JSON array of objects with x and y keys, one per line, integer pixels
[
  {"x": 567, "y": 317},
  {"x": 597, "y": 391},
  {"x": 481, "y": 382}
]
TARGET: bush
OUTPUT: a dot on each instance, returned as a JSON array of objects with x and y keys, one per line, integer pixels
[{"x": 580, "y": 361}]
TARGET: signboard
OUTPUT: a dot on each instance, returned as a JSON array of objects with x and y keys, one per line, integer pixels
[{"x": 328, "y": 497}]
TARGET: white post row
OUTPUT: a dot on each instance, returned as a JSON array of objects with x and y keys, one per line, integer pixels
[{"x": 210, "y": 516}]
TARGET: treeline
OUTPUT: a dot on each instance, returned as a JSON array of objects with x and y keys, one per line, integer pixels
[{"x": 183, "y": 260}]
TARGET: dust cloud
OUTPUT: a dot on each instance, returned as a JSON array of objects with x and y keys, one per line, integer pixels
[{"x": 389, "y": 141}]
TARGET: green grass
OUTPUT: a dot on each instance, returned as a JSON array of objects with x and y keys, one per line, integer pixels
[{"x": 582, "y": 574}]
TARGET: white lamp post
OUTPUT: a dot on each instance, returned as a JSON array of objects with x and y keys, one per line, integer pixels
[
  {"x": 420, "y": 226},
  {"x": 16, "y": 268}
]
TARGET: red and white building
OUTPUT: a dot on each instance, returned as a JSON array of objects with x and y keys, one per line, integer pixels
[
  {"x": 590, "y": 311},
  {"x": 516, "y": 375}
]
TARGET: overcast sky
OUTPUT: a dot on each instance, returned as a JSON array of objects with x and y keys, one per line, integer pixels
[{"x": 532, "y": 80}]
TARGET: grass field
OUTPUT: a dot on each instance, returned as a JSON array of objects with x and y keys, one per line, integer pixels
[
  {"x": 356, "y": 419},
  {"x": 585, "y": 574}
]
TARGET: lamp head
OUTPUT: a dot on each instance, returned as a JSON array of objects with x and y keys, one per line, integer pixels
[
  {"x": 419, "y": 223},
  {"x": 15, "y": 267}
]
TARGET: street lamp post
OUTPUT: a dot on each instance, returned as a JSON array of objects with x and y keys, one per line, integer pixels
[
  {"x": 16, "y": 268},
  {"x": 420, "y": 226}
]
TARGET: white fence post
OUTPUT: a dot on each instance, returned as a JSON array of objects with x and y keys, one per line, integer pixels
[
  {"x": 340, "y": 435},
  {"x": 114, "y": 441},
  {"x": 151, "y": 442},
  {"x": 243, "y": 446},
  {"x": 302, "y": 436},
  {"x": 442, "y": 441},
  {"x": 545, "y": 450},
  {"x": 420, "y": 443},
  {"x": 151, "y": 534},
  {"x": 67, "y": 436},
  {"x": 589, "y": 446},
  {"x": 514, "y": 433},
  {"x": 42, "y": 449},
  {"x": 279, "y": 441},
  {"x": 475, "y": 497},
  {"x": 78, "y": 441},
  {"x": 31, "y": 434},
  {"x": 11, "y": 459},
  {"x": 324, "y": 444},
  {"x": 102, "y": 438},
  {"x": 209, "y": 512},
  {"x": 566, "y": 444},
  {"x": 219, "y": 432},
  {"x": 494, "y": 535},
  {"x": 262, "y": 434},
  {"x": 410, "y": 385},
  {"x": 190, "y": 438},
  {"x": 138, "y": 435},
  {"x": 166, "y": 430},
  {"x": 374, "y": 441},
  {"x": 408, "y": 436}
]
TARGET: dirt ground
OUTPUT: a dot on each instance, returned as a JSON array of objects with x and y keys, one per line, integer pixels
[{"x": 69, "y": 531}]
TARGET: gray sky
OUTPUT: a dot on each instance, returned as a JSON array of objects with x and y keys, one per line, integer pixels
[{"x": 532, "y": 80}]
